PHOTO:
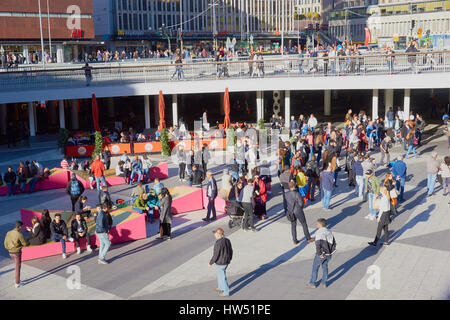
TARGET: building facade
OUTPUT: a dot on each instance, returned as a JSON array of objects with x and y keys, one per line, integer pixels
[
  {"x": 140, "y": 22},
  {"x": 67, "y": 24},
  {"x": 395, "y": 23}
]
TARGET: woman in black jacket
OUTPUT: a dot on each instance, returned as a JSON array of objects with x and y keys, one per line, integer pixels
[
  {"x": 37, "y": 236},
  {"x": 45, "y": 223}
]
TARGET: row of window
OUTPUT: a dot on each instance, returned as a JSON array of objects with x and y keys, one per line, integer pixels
[
  {"x": 263, "y": 16},
  {"x": 403, "y": 28}
]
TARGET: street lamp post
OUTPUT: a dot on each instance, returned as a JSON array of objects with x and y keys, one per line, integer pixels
[
  {"x": 181, "y": 26},
  {"x": 49, "y": 33},
  {"x": 282, "y": 26},
  {"x": 42, "y": 37}
]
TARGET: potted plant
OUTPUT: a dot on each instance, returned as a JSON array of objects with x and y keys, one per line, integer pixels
[{"x": 165, "y": 144}]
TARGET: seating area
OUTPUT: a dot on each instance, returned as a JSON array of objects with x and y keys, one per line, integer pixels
[
  {"x": 160, "y": 171},
  {"x": 128, "y": 222},
  {"x": 127, "y": 226},
  {"x": 57, "y": 179}
]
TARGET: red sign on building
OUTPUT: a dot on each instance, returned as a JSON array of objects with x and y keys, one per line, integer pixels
[{"x": 77, "y": 33}]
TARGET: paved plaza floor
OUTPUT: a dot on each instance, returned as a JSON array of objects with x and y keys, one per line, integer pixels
[{"x": 266, "y": 264}]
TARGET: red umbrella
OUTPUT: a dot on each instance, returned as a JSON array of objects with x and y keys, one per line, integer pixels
[
  {"x": 95, "y": 113},
  {"x": 162, "y": 107},
  {"x": 226, "y": 109}
]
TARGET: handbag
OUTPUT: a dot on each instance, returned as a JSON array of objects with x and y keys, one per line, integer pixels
[
  {"x": 393, "y": 193},
  {"x": 376, "y": 204}
]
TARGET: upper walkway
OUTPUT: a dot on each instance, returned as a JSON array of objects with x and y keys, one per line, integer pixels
[{"x": 421, "y": 70}]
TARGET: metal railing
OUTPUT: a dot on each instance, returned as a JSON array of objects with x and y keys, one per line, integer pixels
[{"x": 358, "y": 65}]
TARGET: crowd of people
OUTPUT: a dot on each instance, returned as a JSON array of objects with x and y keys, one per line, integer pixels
[
  {"x": 28, "y": 173},
  {"x": 309, "y": 165}
]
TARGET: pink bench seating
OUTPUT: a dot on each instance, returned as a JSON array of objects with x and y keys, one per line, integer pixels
[
  {"x": 57, "y": 180},
  {"x": 125, "y": 228}
]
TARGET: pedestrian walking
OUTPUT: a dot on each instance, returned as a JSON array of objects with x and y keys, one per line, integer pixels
[
  {"x": 372, "y": 184},
  {"x": 445, "y": 175},
  {"x": 325, "y": 248},
  {"x": 98, "y": 169},
  {"x": 399, "y": 171},
  {"x": 433, "y": 166},
  {"x": 246, "y": 199},
  {"x": 14, "y": 242},
  {"x": 74, "y": 189},
  {"x": 87, "y": 73},
  {"x": 327, "y": 183},
  {"x": 103, "y": 223},
  {"x": 211, "y": 193},
  {"x": 222, "y": 255},
  {"x": 294, "y": 211},
  {"x": 384, "y": 218},
  {"x": 165, "y": 214}
]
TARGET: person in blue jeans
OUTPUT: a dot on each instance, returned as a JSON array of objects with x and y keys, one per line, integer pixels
[
  {"x": 372, "y": 185},
  {"x": 399, "y": 172},
  {"x": 327, "y": 182},
  {"x": 59, "y": 233},
  {"x": 136, "y": 168},
  {"x": 433, "y": 166},
  {"x": 325, "y": 247},
  {"x": 10, "y": 178},
  {"x": 223, "y": 253},
  {"x": 103, "y": 224}
]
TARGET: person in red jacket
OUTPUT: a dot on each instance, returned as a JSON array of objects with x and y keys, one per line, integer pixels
[
  {"x": 261, "y": 199},
  {"x": 98, "y": 169}
]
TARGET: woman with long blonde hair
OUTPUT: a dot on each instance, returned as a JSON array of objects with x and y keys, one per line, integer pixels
[{"x": 384, "y": 217}]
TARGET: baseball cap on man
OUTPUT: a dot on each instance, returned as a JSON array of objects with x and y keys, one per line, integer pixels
[{"x": 369, "y": 172}]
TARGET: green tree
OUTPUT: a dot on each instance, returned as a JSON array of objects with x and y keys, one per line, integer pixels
[
  {"x": 165, "y": 144},
  {"x": 98, "y": 144},
  {"x": 261, "y": 124},
  {"x": 231, "y": 137}
]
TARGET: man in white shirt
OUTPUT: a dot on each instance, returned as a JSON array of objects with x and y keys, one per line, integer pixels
[
  {"x": 400, "y": 114},
  {"x": 312, "y": 122}
]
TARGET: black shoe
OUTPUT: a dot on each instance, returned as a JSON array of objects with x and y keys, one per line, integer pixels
[
  {"x": 205, "y": 219},
  {"x": 372, "y": 244},
  {"x": 213, "y": 219},
  {"x": 296, "y": 242}
]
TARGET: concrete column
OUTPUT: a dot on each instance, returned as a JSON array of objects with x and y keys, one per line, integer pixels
[
  {"x": 111, "y": 110},
  {"x": 174, "y": 110},
  {"x": 259, "y": 105},
  {"x": 287, "y": 108},
  {"x": 31, "y": 118},
  {"x": 4, "y": 117},
  {"x": 75, "y": 52},
  {"x": 25, "y": 54},
  {"x": 74, "y": 114},
  {"x": 407, "y": 103},
  {"x": 59, "y": 53},
  {"x": 147, "y": 112},
  {"x": 375, "y": 104},
  {"x": 388, "y": 100},
  {"x": 327, "y": 103},
  {"x": 62, "y": 117}
]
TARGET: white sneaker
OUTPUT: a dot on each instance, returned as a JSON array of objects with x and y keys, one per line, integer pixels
[
  {"x": 18, "y": 285},
  {"x": 367, "y": 217},
  {"x": 64, "y": 256},
  {"x": 78, "y": 250},
  {"x": 70, "y": 239},
  {"x": 89, "y": 249}
]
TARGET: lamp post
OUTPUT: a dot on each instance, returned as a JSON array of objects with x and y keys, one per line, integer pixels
[
  {"x": 181, "y": 26},
  {"x": 282, "y": 26},
  {"x": 49, "y": 33},
  {"x": 42, "y": 37}
]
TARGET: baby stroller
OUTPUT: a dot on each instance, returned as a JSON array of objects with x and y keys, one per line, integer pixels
[{"x": 236, "y": 213}]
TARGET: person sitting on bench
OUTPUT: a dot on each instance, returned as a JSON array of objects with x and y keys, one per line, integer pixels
[
  {"x": 37, "y": 236},
  {"x": 79, "y": 230},
  {"x": 81, "y": 207},
  {"x": 59, "y": 233}
]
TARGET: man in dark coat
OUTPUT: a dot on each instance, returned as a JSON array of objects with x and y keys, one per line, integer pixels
[
  {"x": 211, "y": 193},
  {"x": 223, "y": 253},
  {"x": 74, "y": 189},
  {"x": 294, "y": 205}
]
